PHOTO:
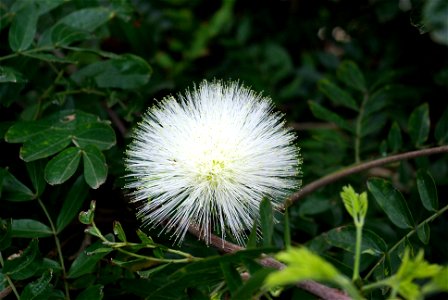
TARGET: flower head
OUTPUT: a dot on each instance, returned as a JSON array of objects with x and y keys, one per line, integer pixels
[{"x": 208, "y": 159}]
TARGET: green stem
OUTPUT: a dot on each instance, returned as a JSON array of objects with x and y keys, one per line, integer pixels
[
  {"x": 160, "y": 260},
  {"x": 11, "y": 284},
  {"x": 16, "y": 54},
  {"x": 375, "y": 285},
  {"x": 358, "y": 130},
  {"x": 117, "y": 246},
  {"x": 58, "y": 247},
  {"x": 357, "y": 252},
  {"x": 407, "y": 236}
]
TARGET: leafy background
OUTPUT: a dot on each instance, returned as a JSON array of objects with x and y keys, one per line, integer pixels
[{"x": 357, "y": 81}]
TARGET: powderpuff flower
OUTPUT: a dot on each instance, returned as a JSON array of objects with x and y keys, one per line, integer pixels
[{"x": 208, "y": 158}]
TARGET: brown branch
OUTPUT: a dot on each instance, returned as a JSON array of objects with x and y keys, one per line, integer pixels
[
  {"x": 311, "y": 187},
  {"x": 310, "y": 286}
]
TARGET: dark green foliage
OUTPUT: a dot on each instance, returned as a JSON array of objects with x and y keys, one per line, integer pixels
[{"x": 358, "y": 81}]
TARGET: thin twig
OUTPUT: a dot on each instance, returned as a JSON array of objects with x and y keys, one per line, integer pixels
[
  {"x": 311, "y": 187},
  {"x": 312, "y": 287}
]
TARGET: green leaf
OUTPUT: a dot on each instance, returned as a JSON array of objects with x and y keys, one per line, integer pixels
[
  {"x": 232, "y": 277},
  {"x": 86, "y": 217},
  {"x": 95, "y": 168},
  {"x": 39, "y": 288},
  {"x": 125, "y": 72},
  {"x": 64, "y": 35},
  {"x": 418, "y": 125},
  {"x": 61, "y": 167},
  {"x": 379, "y": 100},
  {"x": 72, "y": 203},
  {"x": 5, "y": 234},
  {"x": 345, "y": 238},
  {"x": 267, "y": 221},
  {"x": 23, "y": 131},
  {"x": 28, "y": 228},
  {"x": 11, "y": 189},
  {"x": 391, "y": 202},
  {"x": 394, "y": 139},
  {"x": 336, "y": 94},
  {"x": 24, "y": 264},
  {"x": 201, "y": 273},
  {"x": 119, "y": 232},
  {"x": 36, "y": 173},
  {"x": 10, "y": 75},
  {"x": 441, "y": 131},
  {"x": 322, "y": 113},
  {"x": 98, "y": 134},
  {"x": 423, "y": 233},
  {"x": 253, "y": 285},
  {"x": 351, "y": 75},
  {"x": 434, "y": 14},
  {"x": 88, "y": 19},
  {"x": 44, "y": 145},
  {"x": 252, "y": 240},
  {"x": 427, "y": 190},
  {"x": 23, "y": 27},
  {"x": 85, "y": 264},
  {"x": 93, "y": 292}
]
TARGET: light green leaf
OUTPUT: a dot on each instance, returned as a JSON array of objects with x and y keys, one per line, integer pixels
[
  {"x": 427, "y": 190},
  {"x": 72, "y": 203},
  {"x": 267, "y": 221},
  {"x": 351, "y": 75},
  {"x": 437, "y": 283},
  {"x": 356, "y": 204},
  {"x": 61, "y": 167},
  {"x": 95, "y": 167},
  {"x": 28, "y": 228},
  {"x": 418, "y": 125},
  {"x": 391, "y": 202},
  {"x": 336, "y": 94},
  {"x": 302, "y": 264},
  {"x": 23, "y": 27},
  {"x": 322, "y": 113}
]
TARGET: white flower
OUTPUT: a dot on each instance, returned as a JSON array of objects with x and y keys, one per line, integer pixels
[{"x": 208, "y": 159}]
